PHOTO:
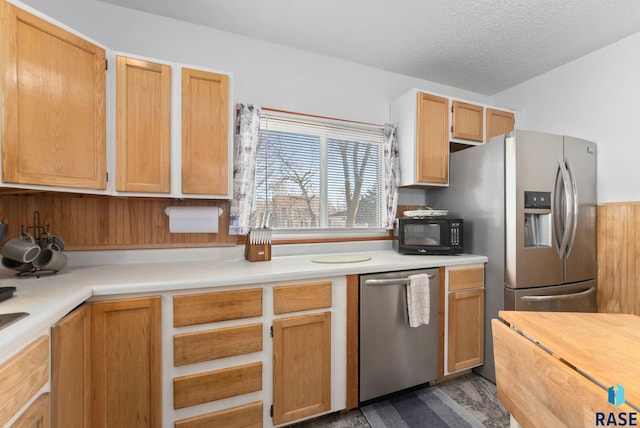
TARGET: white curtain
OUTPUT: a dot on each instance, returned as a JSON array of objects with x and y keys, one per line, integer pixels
[
  {"x": 244, "y": 167},
  {"x": 391, "y": 172}
]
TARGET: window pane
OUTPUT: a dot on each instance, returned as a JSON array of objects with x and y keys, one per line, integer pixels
[
  {"x": 288, "y": 178},
  {"x": 319, "y": 174},
  {"x": 353, "y": 171}
]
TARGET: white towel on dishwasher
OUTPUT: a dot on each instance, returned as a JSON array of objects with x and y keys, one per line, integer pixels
[{"x": 418, "y": 300}]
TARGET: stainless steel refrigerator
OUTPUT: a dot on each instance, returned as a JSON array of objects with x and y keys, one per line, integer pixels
[{"x": 528, "y": 201}]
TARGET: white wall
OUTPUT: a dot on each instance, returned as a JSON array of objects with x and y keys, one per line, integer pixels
[
  {"x": 266, "y": 74},
  {"x": 595, "y": 97}
]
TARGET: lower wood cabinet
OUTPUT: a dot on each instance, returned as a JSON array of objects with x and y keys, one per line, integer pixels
[
  {"x": 222, "y": 366},
  {"x": 216, "y": 384},
  {"x": 106, "y": 365},
  {"x": 301, "y": 366},
  {"x": 464, "y": 333},
  {"x": 126, "y": 369},
  {"x": 245, "y": 416},
  {"x": 71, "y": 369},
  {"x": 37, "y": 415},
  {"x": 20, "y": 380}
]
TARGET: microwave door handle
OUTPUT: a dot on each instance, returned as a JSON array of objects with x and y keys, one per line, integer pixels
[
  {"x": 392, "y": 281},
  {"x": 572, "y": 296}
]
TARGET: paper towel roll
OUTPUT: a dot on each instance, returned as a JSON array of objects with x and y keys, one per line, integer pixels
[{"x": 193, "y": 219}]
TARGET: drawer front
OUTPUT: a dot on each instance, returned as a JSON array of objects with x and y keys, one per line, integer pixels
[
  {"x": 215, "y": 385},
  {"x": 217, "y": 306},
  {"x": 38, "y": 415},
  {"x": 22, "y": 377},
  {"x": 465, "y": 279},
  {"x": 301, "y": 297},
  {"x": 247, "y": 416},
  {"x": 213, "y": 344}
]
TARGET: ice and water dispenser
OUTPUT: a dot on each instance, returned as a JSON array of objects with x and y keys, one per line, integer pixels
[{"x": 537, "y": 219}]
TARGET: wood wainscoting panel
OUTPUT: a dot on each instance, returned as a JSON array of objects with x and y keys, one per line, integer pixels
[
  {"x": 102, "y": 222},
  {"x": 619, "y": 258}
]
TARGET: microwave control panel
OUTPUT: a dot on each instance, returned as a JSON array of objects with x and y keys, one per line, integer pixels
[{"x": 456, "y": 231}]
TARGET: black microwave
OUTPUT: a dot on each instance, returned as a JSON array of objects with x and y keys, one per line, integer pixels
[{"x": 428, "y": 235}]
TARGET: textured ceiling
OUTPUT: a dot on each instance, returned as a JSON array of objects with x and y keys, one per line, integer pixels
[{"x": 481, "y": 45}]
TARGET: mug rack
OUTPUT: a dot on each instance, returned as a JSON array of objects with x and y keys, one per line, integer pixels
[
  {"x": 43, "y": 238},
  {"x": 39, "y": 233}
]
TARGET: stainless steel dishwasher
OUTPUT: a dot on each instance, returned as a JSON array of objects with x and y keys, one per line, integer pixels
[{"x": 394, "y": 356}]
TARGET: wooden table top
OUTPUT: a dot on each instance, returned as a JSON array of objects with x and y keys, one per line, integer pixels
[{"x": 604, "y": 347}]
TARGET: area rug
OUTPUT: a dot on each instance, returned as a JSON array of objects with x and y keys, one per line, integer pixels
[{"x": 424, "y": 408}]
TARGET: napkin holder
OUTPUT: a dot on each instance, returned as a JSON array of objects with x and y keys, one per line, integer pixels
[{"x": 256, "y": 252}]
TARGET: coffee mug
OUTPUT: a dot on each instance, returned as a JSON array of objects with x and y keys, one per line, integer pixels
[
  {"x": 20, "y": 249},
  {"x": 55, "y": 242},
  {"x": 50, "y": 259},
  {"x": 16, "y": 265}
]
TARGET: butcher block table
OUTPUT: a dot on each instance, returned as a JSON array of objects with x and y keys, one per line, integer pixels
[{"x": 554, "y": 369}]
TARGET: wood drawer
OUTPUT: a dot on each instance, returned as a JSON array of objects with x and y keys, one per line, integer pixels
[
  {"x": 22, "y": 377},
  {"x": 217, "y": 384},
  {"x": 212, "y": 344},
  {"x": 465, "y": 279},
  {"x": 38, "y": 415},
  {"x": 301, "y": 297},
  {"x": 217, "y": 306},
  {"x": 247, "y": 416}
]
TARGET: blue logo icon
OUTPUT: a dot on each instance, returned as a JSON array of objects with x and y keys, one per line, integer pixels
[{"x": 616, "y": 395}]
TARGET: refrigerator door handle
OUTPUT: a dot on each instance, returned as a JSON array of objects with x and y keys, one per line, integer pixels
[
  {"x": 572, "y": 296},
  {"x": 562, "y": 185},
  {"x": 574, "y": 208}
]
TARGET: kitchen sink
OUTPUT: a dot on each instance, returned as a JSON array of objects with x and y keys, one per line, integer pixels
[{"x": 8, "y": 319}]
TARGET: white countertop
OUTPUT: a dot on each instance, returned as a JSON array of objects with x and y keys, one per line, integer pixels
[{"x": 49, "y": 298}]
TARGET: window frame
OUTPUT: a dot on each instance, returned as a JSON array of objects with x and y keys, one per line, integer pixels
[{"x": 321, "y": 234}]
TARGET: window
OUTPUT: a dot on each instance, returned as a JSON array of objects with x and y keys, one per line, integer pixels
[{"x": 320, "y": 174}]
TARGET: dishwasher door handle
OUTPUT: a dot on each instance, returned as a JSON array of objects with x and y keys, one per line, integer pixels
[{"x": 392, "y": 281}]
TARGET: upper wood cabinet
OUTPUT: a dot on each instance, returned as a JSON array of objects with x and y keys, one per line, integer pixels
[
  {"x": 143, "y": 126},
  {"x": 467, "y": 121},
  {"x": 423, "y": 138},
  {"x": 431, "y": 126},
  {"x": 53, "y": 104},
  {"x": 499, "y": 122},
  {"x": 205, "y": 133},
  {"x": 432, "y": 144}
]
